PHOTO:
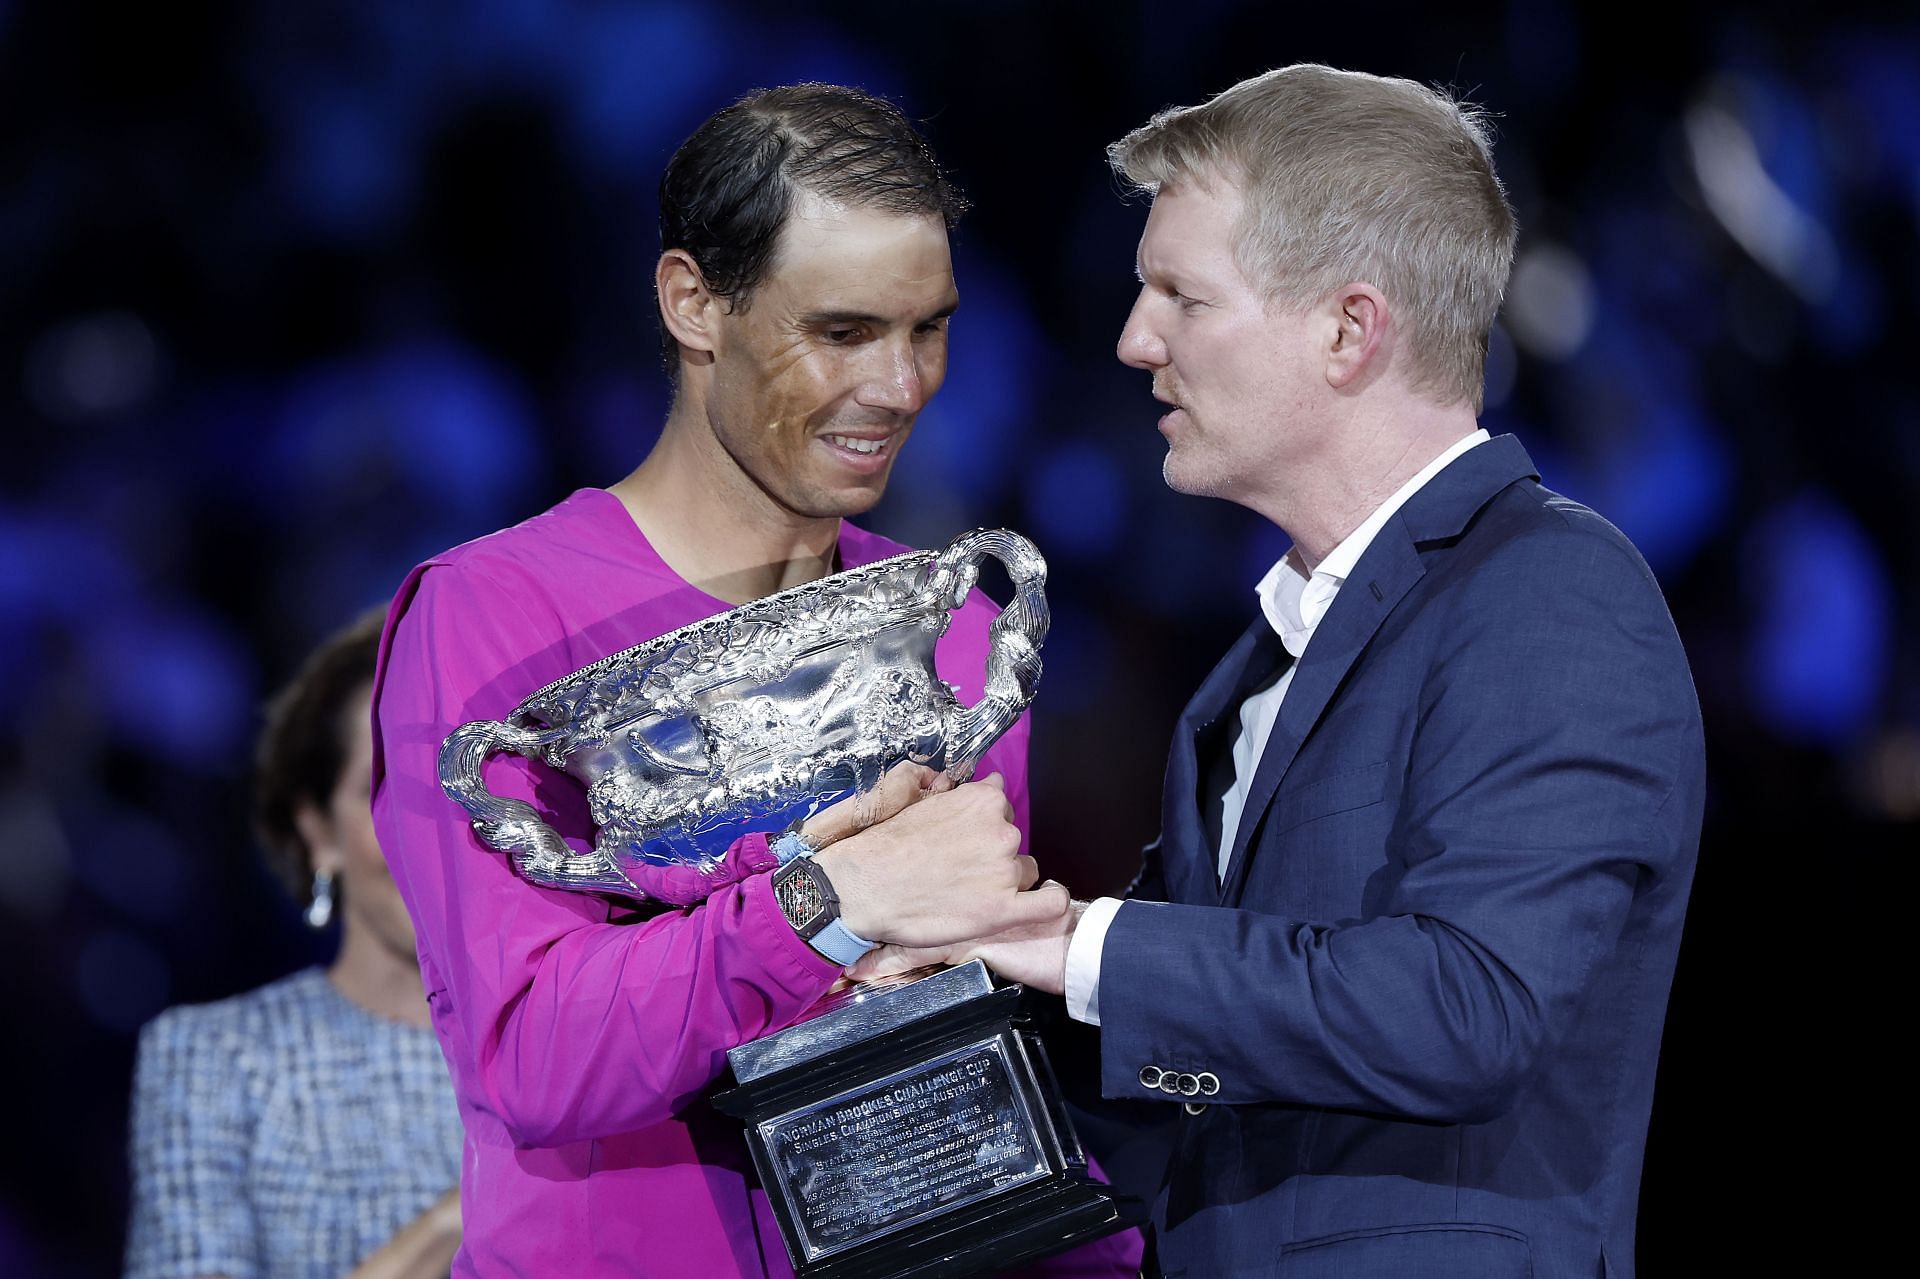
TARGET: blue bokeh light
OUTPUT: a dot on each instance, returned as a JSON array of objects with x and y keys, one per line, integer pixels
[
  {"x": 1076, "y": 500},
  {"x": 968, "y": 437},
  {"x": 175, "y": 683},
  {"x": 57, "y": 566},
  {"x": 1668, "y": 489},
  {"x": 1822, "y": 605},
  {"x": 1883, "y": 79},
  {"x": 451, "y": 427},
  {"x": 631, "y": 71},
  {"x": 344, "y": 167}
]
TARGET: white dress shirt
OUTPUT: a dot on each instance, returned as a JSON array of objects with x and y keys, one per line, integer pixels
[{"x": 1294, "y": 602}]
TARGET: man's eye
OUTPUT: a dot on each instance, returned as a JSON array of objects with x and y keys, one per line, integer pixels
[
  {"x": 841, "y": 335},
  {"x": 930, "y": 328}
]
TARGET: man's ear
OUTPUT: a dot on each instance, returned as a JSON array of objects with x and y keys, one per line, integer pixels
[
  {"x": 687, "y": 307},
  {"x": 1362, "y": 321}
]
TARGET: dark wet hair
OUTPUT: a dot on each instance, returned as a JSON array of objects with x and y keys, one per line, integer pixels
[
  {"x": 729, "y": 189},
  {"x": 302, "y": 750}
]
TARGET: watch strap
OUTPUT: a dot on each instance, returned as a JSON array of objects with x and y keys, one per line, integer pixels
[
  {"x": 839, "y": 943},
  {"x": 790, "y": 844}
]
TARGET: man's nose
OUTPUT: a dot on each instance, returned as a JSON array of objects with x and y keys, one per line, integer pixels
[
  {"x": 897, "y": 383},
  {"x": 1140, "y": 347}
]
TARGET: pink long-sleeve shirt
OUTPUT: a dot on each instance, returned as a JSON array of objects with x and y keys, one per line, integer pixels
[{"x": 583, "y": 1050}]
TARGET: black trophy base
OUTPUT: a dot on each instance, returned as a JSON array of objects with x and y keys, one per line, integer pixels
[{"x": 917, "y": 1133}]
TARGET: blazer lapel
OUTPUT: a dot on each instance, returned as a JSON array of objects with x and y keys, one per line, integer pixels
[
  {"x": 1196, "y": 879},
  {"x": 1378, "y": 583},
  {"x": 1385, "y": 573}
]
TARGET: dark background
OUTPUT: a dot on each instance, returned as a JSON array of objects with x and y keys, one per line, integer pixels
[{"x": 293, "y": 295}]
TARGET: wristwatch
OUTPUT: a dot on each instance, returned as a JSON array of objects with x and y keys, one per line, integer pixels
[{"x": 806, "y": 897}]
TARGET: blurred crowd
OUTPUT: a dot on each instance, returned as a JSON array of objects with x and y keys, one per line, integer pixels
[{"x": 297, "y": 295}]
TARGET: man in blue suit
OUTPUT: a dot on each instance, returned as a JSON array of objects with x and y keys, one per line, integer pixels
[{"x": 1402, "y": 951}]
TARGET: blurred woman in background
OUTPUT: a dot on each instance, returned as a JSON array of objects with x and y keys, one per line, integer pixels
[{"x": 305, "y": 1129}]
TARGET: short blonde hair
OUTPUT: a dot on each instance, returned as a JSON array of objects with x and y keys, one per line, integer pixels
[{"x": 1349, "y": 176}]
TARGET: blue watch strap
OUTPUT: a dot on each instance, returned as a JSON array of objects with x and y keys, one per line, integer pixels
[
  {"x": 790, "y": 844},
  {"x": 839, "y": 943}
]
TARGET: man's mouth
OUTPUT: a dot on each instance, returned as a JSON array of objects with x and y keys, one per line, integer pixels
[
  {"x": 868, "y": 452},
  {"x": 859, "y": 443}
]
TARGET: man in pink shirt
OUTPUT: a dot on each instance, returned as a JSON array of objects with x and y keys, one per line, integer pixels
[{"x": 804, "y": 294}]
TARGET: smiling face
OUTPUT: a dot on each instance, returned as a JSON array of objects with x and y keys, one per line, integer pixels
[
  {"x": 816, "y": 384},
  {"x": 1240, "y": 378}
]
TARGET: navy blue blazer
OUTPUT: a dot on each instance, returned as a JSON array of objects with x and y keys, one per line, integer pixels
[{"x": 1414, "y": 1032}]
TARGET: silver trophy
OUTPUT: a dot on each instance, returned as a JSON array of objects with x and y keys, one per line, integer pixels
[
  {"x": 754, "y": 719},
  {"x": 908, "y": 1128}
]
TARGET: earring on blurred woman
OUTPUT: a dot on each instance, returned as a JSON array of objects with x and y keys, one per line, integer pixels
[{"x": 320, "y": 909}]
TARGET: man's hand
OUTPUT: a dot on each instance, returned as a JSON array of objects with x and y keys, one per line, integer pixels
[
  {"x": 905, "y": 784},
  {"x": 1033, "y": 954},
  {"x": 944, "y": 868}
]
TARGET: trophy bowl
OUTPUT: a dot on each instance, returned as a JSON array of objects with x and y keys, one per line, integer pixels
[{"x": 754, "y": 719}]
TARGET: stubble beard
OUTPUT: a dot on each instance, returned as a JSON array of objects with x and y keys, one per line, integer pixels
[
  {"x": 813, "y": 501},
  {"x": 1184, "y": 473}
]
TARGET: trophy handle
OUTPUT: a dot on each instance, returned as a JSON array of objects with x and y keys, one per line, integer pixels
[
  {"x": 1013, "y": 650},
  {"x": 513, "y": 826}
]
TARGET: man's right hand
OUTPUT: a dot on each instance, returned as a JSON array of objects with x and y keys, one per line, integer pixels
[
  {"x": 1035, "y": 955},
  {"x": 944, "y": 869}
]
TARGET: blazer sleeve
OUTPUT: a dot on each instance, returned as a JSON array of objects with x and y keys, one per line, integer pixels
[{"x": 1555, "y": 719}]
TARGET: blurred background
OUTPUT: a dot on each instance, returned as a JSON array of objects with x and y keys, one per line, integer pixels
[{"x": 295, "y": 295}]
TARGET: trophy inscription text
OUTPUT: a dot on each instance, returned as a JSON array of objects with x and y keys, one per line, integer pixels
[{"x": 948, "y": 1132}]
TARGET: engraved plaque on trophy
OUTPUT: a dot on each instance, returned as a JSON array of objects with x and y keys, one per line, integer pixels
[{"x": 916, "y": 1130}]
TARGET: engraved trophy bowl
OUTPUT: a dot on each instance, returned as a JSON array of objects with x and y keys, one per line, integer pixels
[{"x": 754, "y": 719}]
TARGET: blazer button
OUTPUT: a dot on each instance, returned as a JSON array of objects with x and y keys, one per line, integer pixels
[
  {"x": 1194, "y": 1107},
  {"x": 1170, "y": 1083},
  {"x": 1150, "y": 1076},
  {"x": 1189, "y": 1085},
  {"x": 1209, "y": 1083}
]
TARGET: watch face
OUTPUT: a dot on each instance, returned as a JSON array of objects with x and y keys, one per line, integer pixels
[{"x": 800, "y": 898}]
